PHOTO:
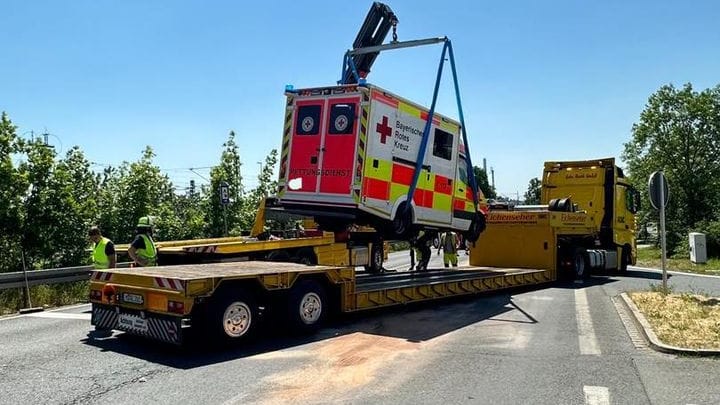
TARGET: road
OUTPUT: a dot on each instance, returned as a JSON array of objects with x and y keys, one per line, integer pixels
[{"x": 566, "y": 344}]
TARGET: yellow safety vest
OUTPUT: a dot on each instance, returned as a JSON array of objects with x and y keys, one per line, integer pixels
[
  {"x": 149, "y": 253},
  {"x": 99, "y": 258}
]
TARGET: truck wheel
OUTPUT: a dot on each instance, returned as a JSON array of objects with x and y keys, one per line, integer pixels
[
  {"x": 377, "y": 256},
  {"x": 579, "y": 267},
  {"x": 624, "y": 259},
  {"x": 402, "y": 221},
  {"x": 278, "y": 256},
  {"x": 306, "y": 305},
  {"x": 233, "y": 316}
]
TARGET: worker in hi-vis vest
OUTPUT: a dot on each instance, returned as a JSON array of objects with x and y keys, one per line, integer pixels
[
  {"x": 449, "y": 243},
  {"x": 142, "y": 249},
  {"x": 103, "y": 252}
]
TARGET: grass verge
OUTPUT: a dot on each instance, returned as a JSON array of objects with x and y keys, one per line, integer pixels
[
  {"x": 650, "y": 257},
  {"x": 683, "y": 320},
  {"x": 11, "y": 301}
]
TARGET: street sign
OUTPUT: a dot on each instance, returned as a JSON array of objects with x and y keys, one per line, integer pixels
[
  {"x": 224, "y": 193},
  {"x": 657, "y": 186}
]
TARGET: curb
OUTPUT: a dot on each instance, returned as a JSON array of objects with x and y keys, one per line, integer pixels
[
  {"x": 24, "y": 311},
  {"x": 652, "y": 339}
]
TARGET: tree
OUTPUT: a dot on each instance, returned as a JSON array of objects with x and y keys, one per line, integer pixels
[
  {"x": 532, "y": 195},
  {"x": 267, "y": 185},
  {"x": 13, "y": 187},
  {"x": 679, "y": 133},
  {"x": 481, "y": 179},
  {"x": 228, "y": 171}
]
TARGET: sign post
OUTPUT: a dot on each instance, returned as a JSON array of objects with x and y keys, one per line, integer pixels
[
  {"x": 659, "y": 197},
  {"x": 224, "y": 201}
]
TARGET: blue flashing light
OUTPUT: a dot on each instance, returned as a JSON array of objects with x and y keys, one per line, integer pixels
[{"x": 289, "y": 88}]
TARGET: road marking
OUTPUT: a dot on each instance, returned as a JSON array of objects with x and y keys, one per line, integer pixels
[
  {"x": 596, "y": 395},
  {"x": 674, "y": 273},
  {"x": 60, "y": 315},
  {"x": 586, "y": 332}
]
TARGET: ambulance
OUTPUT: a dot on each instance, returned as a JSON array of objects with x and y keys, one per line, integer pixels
[{"x": 349, "y": 155}]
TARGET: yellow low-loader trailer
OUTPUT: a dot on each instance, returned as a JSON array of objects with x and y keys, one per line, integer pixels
[{"x": 228, "y": 301}]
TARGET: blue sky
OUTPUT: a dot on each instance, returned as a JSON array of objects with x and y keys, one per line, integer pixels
[{"x": 540, "y": 80}]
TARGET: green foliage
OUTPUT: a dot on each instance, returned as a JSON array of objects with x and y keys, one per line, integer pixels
[
  {"x": 13, "y": 187},
  {"x": 228, "y": 171},
  {"x": 679, "y": 133},
  {"x": 481, "y": 179},
  {"x": 532, "y": 195}
]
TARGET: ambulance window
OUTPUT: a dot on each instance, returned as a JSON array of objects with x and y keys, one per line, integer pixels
[
  {"x": 462, "y": 171},
  {"x": 342, "y": 118},
  {"x": 308, "y": 120},
  {"x": 442, "y": 147}
]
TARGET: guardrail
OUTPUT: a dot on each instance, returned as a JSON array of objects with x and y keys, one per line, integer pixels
[{"x": 48, "y": 276}]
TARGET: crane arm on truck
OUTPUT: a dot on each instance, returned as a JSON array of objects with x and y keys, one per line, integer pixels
[{"x": 379, "y": 20}]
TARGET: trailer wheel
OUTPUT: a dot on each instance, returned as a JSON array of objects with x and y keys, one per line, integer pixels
[
  {"x": 306, "y": 305},
  {"x": 278, "y": 256},
  {"x": 579, "y": 266},
  {"x": 233, "y": 316},
  {"x": 377, "y": 256}
]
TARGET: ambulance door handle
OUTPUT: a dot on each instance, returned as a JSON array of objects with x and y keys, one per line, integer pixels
[
  {"x": 462, "y": 190},
  {"x": 320, "y": 149}
]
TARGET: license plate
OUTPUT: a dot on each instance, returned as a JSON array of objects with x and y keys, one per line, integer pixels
[
  {"x": 132, "y": 322},
  {"x": 132, "y": 298}
]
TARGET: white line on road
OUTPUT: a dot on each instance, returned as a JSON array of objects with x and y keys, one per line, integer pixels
[
  {"x": 586, "y": 332},
  {"x": 674, "y": 273},
  {"x": 596, "y": 395},
  {"x": 60, "y": 315}
]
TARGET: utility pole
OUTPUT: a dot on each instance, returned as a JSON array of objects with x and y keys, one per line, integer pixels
[{"x": 492, "y": 171}]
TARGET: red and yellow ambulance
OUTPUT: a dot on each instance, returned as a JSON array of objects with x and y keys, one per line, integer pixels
[{"x": 349, "y": 154}]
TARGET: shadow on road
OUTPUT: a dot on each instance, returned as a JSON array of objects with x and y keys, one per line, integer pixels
[{"x": 413, "y": 323}]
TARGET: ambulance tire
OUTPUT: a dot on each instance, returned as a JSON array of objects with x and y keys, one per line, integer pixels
[
  {"x": 306, "y": 306},
  {"x": 477, "y": 226},
  {"x": 377, "y": 256},
  {"x": 331, "y": 224},
  {"x": 402, "y": 222}
]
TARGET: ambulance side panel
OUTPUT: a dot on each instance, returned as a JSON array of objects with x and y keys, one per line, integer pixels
[{"x": 394, "y": 135}]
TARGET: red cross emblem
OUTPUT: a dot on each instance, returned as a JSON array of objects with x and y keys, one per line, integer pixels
[{"x": 384, "y": 129}]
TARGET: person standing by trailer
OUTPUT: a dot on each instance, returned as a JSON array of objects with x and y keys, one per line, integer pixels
[
  {"x": 449, "y": 244},
  {"x": 103, "y": 253},
  {"x": 142, "y": 249}
]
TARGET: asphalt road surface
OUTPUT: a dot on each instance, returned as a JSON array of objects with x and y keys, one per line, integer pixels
[{"x": 562, "y": 344}]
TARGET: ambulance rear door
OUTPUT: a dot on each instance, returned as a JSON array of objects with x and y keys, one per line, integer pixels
[{"x": 322, "y": 151}]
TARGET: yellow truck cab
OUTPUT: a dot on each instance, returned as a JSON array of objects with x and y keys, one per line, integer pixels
[
  {"x": 349, "y": 155},
  {"x": 586, "y": 221}
]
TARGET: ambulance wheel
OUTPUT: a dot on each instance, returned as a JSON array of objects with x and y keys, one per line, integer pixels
[
  {"x": 306, "y": 305},
  {"x": 402, "y": 222},
  {"x": 377, "y": 255},
  {"x": 477, "y": 226}
]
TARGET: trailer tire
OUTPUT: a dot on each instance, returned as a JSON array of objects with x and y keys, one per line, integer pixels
[
  {"x": 278, "y": 256},
  {"x": 232, "y": 317},
  {"x": 306, "y": 305},
  {"x": 580, "y": 268},
  {"x": 377, "y": 256}
]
